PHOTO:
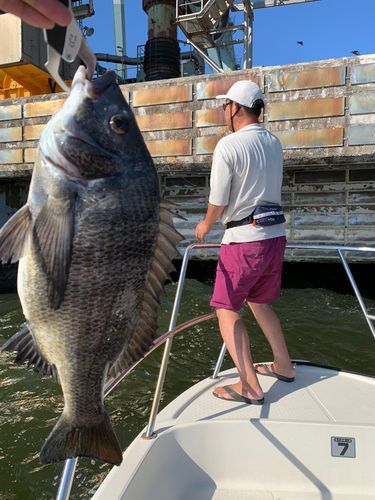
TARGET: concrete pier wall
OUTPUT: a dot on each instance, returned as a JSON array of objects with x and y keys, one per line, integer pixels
[{"x": 323, "y": 113}]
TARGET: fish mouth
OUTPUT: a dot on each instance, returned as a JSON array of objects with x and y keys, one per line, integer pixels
[{"x": 93, "y": 89}]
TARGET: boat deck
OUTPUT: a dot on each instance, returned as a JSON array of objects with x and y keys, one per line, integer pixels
[{"x": 312, "y": 439}]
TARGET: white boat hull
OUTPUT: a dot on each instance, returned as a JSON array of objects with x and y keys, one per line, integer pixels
[{"x": 312, "y": 439}]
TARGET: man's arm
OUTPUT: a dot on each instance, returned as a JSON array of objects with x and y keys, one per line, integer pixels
[
  {"x": 38, "y": 13},
  {"x": 213, "y": 213}
]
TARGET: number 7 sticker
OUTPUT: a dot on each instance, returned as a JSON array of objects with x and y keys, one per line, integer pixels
[{"x": 343, "y": 447}]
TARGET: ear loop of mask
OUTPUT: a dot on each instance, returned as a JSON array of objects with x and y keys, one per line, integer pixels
[{"x": 232, "y": 116}]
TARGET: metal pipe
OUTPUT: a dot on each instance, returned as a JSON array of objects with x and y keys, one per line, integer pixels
[
  {"x": 248, "y": 36},
  {"x": 159, "y": 387},
  {"x": 163, "y": 367},
  {"x": 219, "y": 360},
  {"x": 67, "y": 479},
  {"x": 197, "y": 58},
  {"x": 134, "y": 60},
  {"x": 116, "y": 59},
  {"x": 210, "y": 63},
  {"x": 167, "y": 349},
  {"x": 115, "y": 381},
  {"x": 331, "y": 247},
  {"x": 356, "y": 291}
]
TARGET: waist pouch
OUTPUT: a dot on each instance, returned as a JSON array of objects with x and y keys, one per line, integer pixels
[{"x": 263, "y": 215}]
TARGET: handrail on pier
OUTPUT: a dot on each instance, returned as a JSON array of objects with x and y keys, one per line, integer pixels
[{"x": 70, "y": 464}]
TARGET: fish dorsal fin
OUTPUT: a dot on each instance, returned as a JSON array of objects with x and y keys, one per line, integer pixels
[
  {"x": 161, "y": 267},
  {"x": 14, "y": 236},
  {"x": 53, "y": 235},
  {"x": 27, "y": 350}
]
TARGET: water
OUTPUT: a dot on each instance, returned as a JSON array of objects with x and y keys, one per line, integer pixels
[{"x": 322, "y": 326}]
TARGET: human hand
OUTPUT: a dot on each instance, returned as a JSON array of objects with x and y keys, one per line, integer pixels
[
  {"x": 201, "y": 230},
  {"x": 38, "y": 13}
]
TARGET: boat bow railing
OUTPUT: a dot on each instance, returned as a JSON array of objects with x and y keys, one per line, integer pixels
[{"x": 70, "y": 464}]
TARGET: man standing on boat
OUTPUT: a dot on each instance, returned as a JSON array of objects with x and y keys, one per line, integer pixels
[{"x": 247, "y": 172}]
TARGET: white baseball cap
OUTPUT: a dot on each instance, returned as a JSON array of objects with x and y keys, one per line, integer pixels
[{"x": 244, "y": 92}]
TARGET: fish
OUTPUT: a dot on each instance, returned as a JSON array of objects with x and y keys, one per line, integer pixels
[{"x": 95, "y": 244}]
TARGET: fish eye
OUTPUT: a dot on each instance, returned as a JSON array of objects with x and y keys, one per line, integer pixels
[{"x": 118, "y": 124}]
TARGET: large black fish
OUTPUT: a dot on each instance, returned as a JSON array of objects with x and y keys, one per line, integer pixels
[{"x": 94, "y": 244}]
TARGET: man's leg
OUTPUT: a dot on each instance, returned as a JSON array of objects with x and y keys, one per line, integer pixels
[
  {"x": 270, "y": 325},
  {"x": 236, "y": 340}
]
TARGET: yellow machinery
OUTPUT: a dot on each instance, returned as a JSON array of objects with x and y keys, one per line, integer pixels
[{"x": 23, "y": 55}]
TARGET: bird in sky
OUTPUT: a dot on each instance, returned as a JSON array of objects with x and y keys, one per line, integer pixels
[
  {"x": 355, "y": 52},
  {"x": 300, "y": 43}
]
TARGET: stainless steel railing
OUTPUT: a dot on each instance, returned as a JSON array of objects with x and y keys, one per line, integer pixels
[{"x": 70, "y": 465}]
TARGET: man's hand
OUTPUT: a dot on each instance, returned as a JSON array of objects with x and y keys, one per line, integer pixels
[
  {"x": 213, "y": 213},
  {"x": 201, "y": 230},
  {"x": 38, "y": 13}
]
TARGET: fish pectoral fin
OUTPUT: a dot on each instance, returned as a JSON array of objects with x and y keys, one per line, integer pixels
[
  {"x": 53, "y": 235},
  {"x": 27, "y": 350},
  {"x": 68, "y": 440},
  {"x": 14, "y": 236}
]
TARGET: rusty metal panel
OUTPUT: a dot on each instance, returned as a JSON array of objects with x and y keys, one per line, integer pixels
[
  {"x": 319, "y": 219},
  {"x": 314, "y": 254},
  {"x": 308, "y": 79},
  {"x": 162, "y": 95},
  {"x": 336, "y": 234},
  {"x": 360, "y": 175},
  {"x": 288, "y": 219},
  {"x": 310, "y": 108},
  {"x": 361, "y": 256},
  {"x": 365, "y": 219},
  {"x": 359, "y": 197},
  {"x": 183, "y": 181},
  {"x": 175, "y": 147},
  {"x": 206, "y": 145},
  {"x": 188, "y": 202},
  {"x": 366, "y": 234},
  {"x": 209, "y": 90},
  {"x": 321, "y": 198},
  {"x": 30, "y": 155},
  {"x": 125, "y": 93},
  {"x": 363, "y": 73},
  {"x": 286, "y": 199},
  {"x": 165, "y": 121},
  {"x": 11, "y": 134},
  {"x": 32, "y": 132},
  {"x": 45, "y": 108},
  {"x": 361, "y": 135},
  {"x": 311, "y": 138},
  {"x": 210, "y": 117},
  {"x": 362, "y": 104},
  {"x": 319, "y": 176},
  {"x": 11, "y": 156},
  {"x": 10, "y": 112}
]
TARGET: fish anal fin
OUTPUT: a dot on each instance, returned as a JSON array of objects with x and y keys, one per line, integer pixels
[
  {"x": 14, "y": 236},
  {"x": 53, "y": 234},
  {"x": 27, "y": 350},
  {"x": 68, "y": 440}
]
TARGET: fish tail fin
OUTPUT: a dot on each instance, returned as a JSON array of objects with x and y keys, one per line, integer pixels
[{"x": 68, "y": 441}]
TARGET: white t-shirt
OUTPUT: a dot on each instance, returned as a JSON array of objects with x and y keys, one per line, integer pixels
[{"x": 247, "y": 170}]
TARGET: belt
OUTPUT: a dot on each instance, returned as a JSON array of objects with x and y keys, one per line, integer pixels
[{"x": 234, "y": 223}]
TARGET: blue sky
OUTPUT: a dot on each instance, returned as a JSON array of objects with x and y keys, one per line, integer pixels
[{"x": 328, "y": 29}]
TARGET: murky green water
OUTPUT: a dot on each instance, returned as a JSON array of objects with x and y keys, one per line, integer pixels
[{"x": 319, "y": 325}]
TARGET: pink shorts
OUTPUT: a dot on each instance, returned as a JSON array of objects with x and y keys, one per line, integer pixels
[{"x": 248, "y": 271}]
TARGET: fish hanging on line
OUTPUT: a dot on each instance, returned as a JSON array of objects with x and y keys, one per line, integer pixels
[{"x": 95, "y": 244}]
